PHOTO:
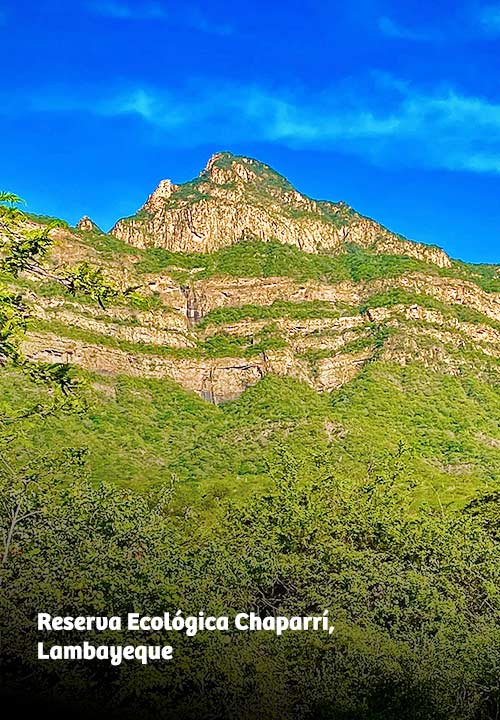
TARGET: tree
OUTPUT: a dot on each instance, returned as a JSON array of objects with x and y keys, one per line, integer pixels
[{"x": 24, "y": 249}]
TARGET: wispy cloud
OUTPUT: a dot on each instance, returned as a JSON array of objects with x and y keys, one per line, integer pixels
[
  {"x": 389, "y": 123},
  {"x": 183, "y": 15},
  {"x": 392, "y": 29},
  {"x": 128, "y": 11},
  {"x": 489, "y": 18}
]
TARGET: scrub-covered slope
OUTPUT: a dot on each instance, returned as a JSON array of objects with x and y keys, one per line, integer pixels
[{"x": 359, "y": 344}]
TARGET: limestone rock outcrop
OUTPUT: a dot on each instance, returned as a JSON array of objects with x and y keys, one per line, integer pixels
[
  {"x": 87, "y": 225},
  {"x": 237, "y": 198}
]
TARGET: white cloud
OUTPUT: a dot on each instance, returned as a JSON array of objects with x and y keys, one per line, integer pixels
[
  {"x": 128, "y": 11},
  {"x": 391, "y": 29},
  {"x": 387, "y": 123}
]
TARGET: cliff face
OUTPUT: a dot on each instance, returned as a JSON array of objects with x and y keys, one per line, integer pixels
[
  {"x": 201, "y": 344},
  {"x": 349, "y": 294},
  {"x": 237, "y": 198}
]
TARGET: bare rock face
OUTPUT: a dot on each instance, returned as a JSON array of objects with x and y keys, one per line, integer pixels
[
  {"x": 216, "y": 380},
  {"x": 237, "y": 198},
  {"x": 86, "y": 224},
  {"x": 161, "y": 195}
]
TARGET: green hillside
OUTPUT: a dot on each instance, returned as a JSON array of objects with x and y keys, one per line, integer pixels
[
  {"x": 142, "y": 433},
  {"x": 256, "y": 427}
]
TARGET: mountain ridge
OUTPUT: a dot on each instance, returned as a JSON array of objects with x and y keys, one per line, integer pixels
[
  {"x": 236, "y": 198},
  {"x": 372, "y": 347},
  {"x": 218, "y": 319}
]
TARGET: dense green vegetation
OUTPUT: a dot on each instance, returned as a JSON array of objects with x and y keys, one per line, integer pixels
[
  {"x": 106, "y": 244},
  {"x": 378, "y": 502},
  {"x": 269, "y": 259},
  {"x": 415, "y": 599},
  {"x": 252, "y": 258},
  {"x": 453, "y": 441},
  {"x": 486, "y": 276}
]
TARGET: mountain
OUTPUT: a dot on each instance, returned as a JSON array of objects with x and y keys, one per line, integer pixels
[
  {"x": 292, "y": 320},
  {"x": 243, "y": 399},
  {"x": 236, "y": 198}
]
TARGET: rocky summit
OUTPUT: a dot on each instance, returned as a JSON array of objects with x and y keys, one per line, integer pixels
[
  {"x": 235, "y": 275},
  {"x": 238, "y": 198}
]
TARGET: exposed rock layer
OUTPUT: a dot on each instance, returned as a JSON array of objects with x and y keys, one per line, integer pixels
[
  {"x": 192, "y": 326},
  {"x": 238, "y": 198}
]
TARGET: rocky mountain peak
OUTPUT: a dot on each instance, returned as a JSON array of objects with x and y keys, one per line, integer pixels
[
  {"x": 226, "y": 160},
  {"x": 86, "y": 224},
  {"x": 157, "y": 199},
  {"x": 224, "y": 167},
  {"x": 236, "y": 198},
  {"x": 217, "y": 159}
]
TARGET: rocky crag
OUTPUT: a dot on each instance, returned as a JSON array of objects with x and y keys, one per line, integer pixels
[
  {"x": 237, "y": 198},
  {"x": 236, "y": 275}
]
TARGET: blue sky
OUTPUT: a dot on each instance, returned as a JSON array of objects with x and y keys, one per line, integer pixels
[{"x": 390, "y": 105}]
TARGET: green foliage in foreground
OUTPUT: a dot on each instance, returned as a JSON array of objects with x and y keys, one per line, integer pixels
[{"x": 414, "y": 596}]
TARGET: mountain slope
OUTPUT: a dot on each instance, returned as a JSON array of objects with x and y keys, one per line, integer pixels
[
  {"x": 253, "y": 427},
  {"x": 237, "y": 198},
  {"x": 218, "y": 328},
  {"x": 352, "y": 350}
]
